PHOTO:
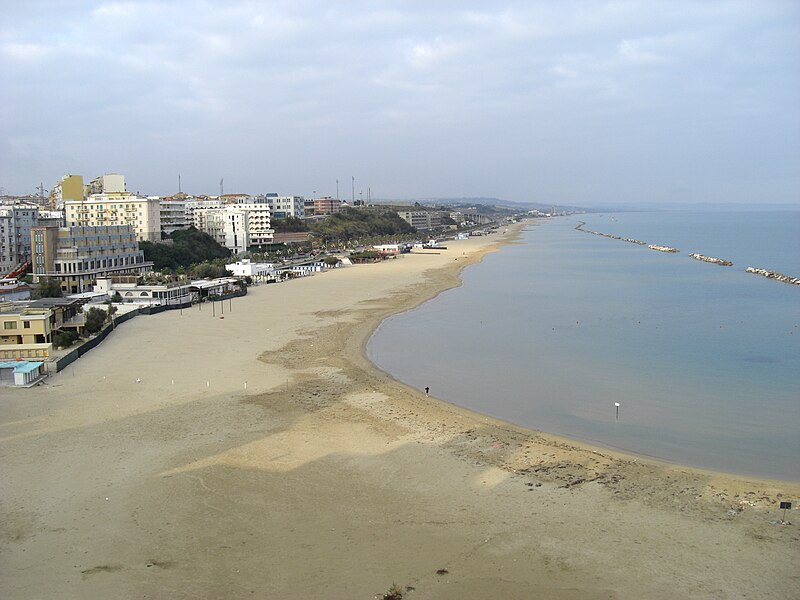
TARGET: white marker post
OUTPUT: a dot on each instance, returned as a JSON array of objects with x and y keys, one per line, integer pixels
[{"x": 616, "y": 404}]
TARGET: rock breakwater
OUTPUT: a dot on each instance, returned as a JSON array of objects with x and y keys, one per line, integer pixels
[
  {"x": 774, "y": 275},
  {"x": 663, "y": 248},
  {"x": 580, "y": 225},
  {"x": 711, "y": 259},
  {"x": 695, "y": 255}
]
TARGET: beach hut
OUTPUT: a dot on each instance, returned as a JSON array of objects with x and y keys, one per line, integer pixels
[{"x": 20, "y": 372}]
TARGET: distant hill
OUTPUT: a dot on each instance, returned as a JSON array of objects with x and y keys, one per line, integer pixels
[
  {"x": 487, "y": 201},
  {"x": 500, "y": 202}
]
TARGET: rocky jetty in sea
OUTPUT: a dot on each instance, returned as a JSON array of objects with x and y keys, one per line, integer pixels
[
  {"x": 580, "y": 225},
  {"x": 774, "y": 275},
  {"x": 711, "y": 259},
  {"x": 662, "y": 248}
]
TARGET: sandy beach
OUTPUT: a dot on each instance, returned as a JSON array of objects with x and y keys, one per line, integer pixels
[{"x": 260, "y": 455}]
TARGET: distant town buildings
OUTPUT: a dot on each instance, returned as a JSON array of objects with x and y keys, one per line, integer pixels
[{"x": 469, "y": 217}]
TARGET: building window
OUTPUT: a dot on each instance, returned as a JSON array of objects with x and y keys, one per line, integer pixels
[
  {"x": 9, "y": 325},
  {"x": 26, "y": 324}
]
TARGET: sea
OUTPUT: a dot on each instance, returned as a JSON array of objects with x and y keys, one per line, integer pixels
[{"x": 555, "y": 331}]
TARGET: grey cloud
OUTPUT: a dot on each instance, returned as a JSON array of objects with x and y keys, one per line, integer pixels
[{"x": 577, "y": 102}]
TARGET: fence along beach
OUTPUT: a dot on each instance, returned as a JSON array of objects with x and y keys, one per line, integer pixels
[{"x": 327, "y": 477}]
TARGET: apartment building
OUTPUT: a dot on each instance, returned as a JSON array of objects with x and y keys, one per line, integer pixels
[
  {"x": 196, "y": 212},
  {"x": 117, "y": 209},
  {"x": 326, "y": 205},
  {"x": 282, "y": 207},
  {"x": 16, "y": 221},
  {"x": 106, "y": 184},
  {"x": 69, "y": 188},
  {"x": 228, "y": 226},
  {"x": 235, "y": 226},
  {"x": 173, "y": 214},
  {"x": 259, "y": 223},
  {"x": 77, "y": 256},
  {"x": 421, "y": 219}
]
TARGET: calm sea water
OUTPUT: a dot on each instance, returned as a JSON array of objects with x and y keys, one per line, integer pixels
[{"x": 703, "y": 359}]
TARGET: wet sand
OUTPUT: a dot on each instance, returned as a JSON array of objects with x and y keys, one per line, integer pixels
[{"x": 262, "y": 456}]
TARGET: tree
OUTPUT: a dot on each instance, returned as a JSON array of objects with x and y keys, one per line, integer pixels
[
  {"x": 189, "y": 246},
  {"x": 95, "y": 319},
  {"x": 48, "y": 287},
  {"x": 289, "y": 225},
  {"x": 353, "y": 224},
  {"x": 64, "y": 338},
  {"x": 331, "y": 261},
  {"x": 210, "y": 270},
  {"x": 116, "y": 297}
]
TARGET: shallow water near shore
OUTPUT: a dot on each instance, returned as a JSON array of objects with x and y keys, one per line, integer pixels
[{"x": 704, "y": 360}]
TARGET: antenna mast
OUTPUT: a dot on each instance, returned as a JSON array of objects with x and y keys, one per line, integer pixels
[{"x": 220, "y": 187}]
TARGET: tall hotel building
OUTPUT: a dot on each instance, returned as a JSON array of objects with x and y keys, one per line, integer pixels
[{"x": 77, "y": 256}]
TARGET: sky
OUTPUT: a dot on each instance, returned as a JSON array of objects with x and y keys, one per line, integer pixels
[{"x": 570, "y": 102}]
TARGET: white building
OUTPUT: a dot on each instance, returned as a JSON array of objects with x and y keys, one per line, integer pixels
[
  {"x": 286, "y": 206},
  {"x": 196, "y": 211},
  {"x": 259, "y": 223},
  {"x": 235, "y": 226},
  {"x": 173, "y": 215},
  {"x": 235, "y": 234},
  {"x": 256, "y": 271},
  {"x": 117, "y": 208},
  {"x": 108, "y": 183},
  {"x": 301, "y": 270},
  {"x": 133, "y": 292}
]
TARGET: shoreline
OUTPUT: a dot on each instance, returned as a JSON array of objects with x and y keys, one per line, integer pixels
[
  {"x": 589, "y": 445},
  {"x": 264, "y": 455}
]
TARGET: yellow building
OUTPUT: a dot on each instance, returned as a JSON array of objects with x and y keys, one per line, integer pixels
[
  {"x": 27, "y": 328},
  {"x": 25, "y": 332},
  {"x": 69, "y": 188},
  {"x": 72, "y": 187},
  {"x": 117, "y": 208}
]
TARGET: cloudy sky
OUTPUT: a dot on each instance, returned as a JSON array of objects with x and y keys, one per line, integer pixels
[{"x": 564, "y": 102}]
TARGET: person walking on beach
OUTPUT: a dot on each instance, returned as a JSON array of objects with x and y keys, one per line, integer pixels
[{"x": 427, "y": 389}]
